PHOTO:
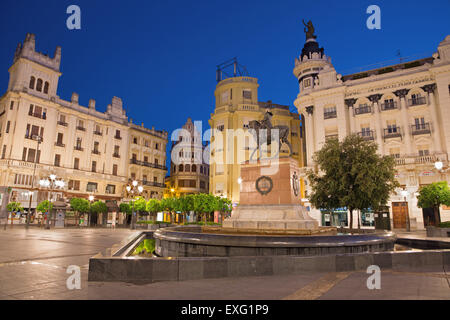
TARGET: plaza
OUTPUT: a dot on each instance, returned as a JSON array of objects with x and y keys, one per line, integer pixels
[{"x": 33, "y": 265}]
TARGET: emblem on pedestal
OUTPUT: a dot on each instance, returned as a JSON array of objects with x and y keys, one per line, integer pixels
[
  {"x": 264, "y": 185},
  {"x": 295, "y": 184}
]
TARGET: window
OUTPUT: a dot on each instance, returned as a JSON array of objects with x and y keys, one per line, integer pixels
[
  {"x": 46, "y": 87},
  {"x": 221, "y": 127},
  {"x": 144, "y": 178},
  {"x": 11, "y": 106},
  {"x": 59, "y": 140},
  {"x": 247, "y": 94},
  {"x": 202, "y": 185},
  {"x": 80, "y": 125},
  {"x": 39, "y": 85},
  {"x": 156, "y": 161},
  {"x": 157, "y": 146},
  {"x": 24, "y": 154},
  {"x": 117, "y": 136},
  {"x": 4, "y": 152},
  {"x": 78, "y": 144},
  {"x": 57, "y": 160},
  {"x": 94, "y": 166},
  {"x": 110, "y": 189},
  {"x": 419, "y": 123},
  {"x": 180, "y": 168},
  {"x": 31, "y": 155},
  {"x": 225, "y": 97},
  {"x": 114, "y": 171},
  {"x": 155, "y": 179},
  {"x": 96, "y": 144},
  {"x": 76, "y": 163},
  {"x": 392, "y": 126},
  {"x": 329, "y": 112},
  {"x": 74, "y": 185},
  {"x": 194, "y": 168},
  {"x": 32, "y": 82},
  {"x": 307, "y": 83},
  {"x": 135, "y": 140},
  {"x": 91, "y": 187},
  {"x": 8, "y": 124},
  {"x": 145, "y": 159},
  {"x": 116, "y": 151}
]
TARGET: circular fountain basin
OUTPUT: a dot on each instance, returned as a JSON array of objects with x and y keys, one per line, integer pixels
[{"x": 189, "y": 241}]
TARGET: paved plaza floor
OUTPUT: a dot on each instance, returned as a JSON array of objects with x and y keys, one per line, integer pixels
[{"x": 33, "y": 265}]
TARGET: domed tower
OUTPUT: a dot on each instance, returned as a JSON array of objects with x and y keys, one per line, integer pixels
[{"x": 311, "y": 62}]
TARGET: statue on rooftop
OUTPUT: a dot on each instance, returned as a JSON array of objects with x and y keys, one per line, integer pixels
[{"x": 309, "y": 30}]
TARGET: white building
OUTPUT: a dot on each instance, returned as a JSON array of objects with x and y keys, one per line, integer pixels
[{"x": 404, "y": 107}]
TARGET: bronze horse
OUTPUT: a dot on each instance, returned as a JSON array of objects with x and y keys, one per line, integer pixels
[{"x": 262, "y": 133}]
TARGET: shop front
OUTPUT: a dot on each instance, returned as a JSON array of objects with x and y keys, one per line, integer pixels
[{"x": 334, "y": 218}]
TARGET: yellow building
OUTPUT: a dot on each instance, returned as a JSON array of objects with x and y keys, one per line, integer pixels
[{"x": 231, "y": 143}]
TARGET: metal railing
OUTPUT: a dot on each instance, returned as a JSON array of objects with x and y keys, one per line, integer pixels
[
  {"x": 420, "y": 128},
  {"x": 62, "y": 123},
  {"x": 147, "y": 164},
  {"x": 38, "y": 115},
  {"x": 362, "y": 109},
  {"x": 330, "y": 115},
  {"x": 417, "y": 101},
  {"x": 367, "y": 135},
  {"x": 389, "y": 106},
  {"x": 393, "y": 132}
]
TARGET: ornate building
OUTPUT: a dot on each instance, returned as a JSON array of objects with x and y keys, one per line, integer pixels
[
  {"x": 189, "y": 172},
  {"x": 89, "y": 150},
  {"x": 236, "y": 105},
  {"x": 404, "y": 108}
]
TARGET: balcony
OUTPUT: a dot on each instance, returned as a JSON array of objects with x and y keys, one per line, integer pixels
[
  {"x": 34, "y": 137},
  {"x": 96, "y": 152},
  {"x": 331, "y": 136},
  {"x": 393, "y": 132},
  {"x": 116, "y": 155},
  {"x": 362, "y": 109},
  {"x": 330, "y": 115},
  {"x": 38, "y": 115},
  {"x": 98, "y": 133},
  {"x": 147, "y": 164},
  {"x": 153, "y": 184},
  {"x": 420, "y": 128},
  {"x": 81, "y": 128},
  {"x": 417, "y": 159},
  {"x": 118, "y": 137},
  {"x": 62, "y": 123},
  {"x": 60, "y": 144},
  {"x": 389, "y": 106},
  {"x": 417, "y": 101},
  {"x": 78, "y": 148},
  {"x": 367, "y": 135}
]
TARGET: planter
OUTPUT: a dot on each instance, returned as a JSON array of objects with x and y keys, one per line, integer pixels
[{"x": 437, "y": 232}]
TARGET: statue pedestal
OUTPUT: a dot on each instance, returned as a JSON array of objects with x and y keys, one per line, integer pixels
[{"x": 270, "y": 198}]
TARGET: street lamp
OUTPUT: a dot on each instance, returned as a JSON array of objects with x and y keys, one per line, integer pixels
[
  {"x": 239, "y": 181},
  {"x": 404, "y": 194},
  {"x": 51, "y": 183},
  {"x": 134, "y": 189},
  {"x": 38, "y": 142}
]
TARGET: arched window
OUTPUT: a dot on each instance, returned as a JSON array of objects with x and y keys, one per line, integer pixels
[
  {"x": 180, "y": 168},
  {"x": 201, "y": 169},
  {"x": 39, "y": 85},
  {"x": 194, "y": 168},
  {"x": 46, "y": 87},
  {"x": 32, "y": 81},
  {"x": 188, "y": 167}
]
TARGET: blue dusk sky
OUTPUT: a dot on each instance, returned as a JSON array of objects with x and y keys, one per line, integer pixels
[{"x": 160, "y": 57}]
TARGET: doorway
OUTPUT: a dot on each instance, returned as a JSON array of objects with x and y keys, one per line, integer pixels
[{"x": 399, "y": 212}]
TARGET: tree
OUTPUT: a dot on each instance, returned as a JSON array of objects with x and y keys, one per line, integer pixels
[
  {"x": 153, "y": 206},
  {"x": 99, "y": 207},
  {"x": 45, "y": 206},
  {"x": 79, "y": 205},
  {"x": 14, "y": 207},
  {"x": 140, "y": 205},
  {"x": 351, "y": 175},
  {"x": 433, "y": 196},
  {"x": 125, "y": 208}
]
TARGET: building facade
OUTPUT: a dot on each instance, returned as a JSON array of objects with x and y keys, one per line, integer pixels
[
  {"x": 404, "y": 108},
  {"x": 231, "y": 144},
  {"x": 189, "y": 172},
  {"x": 44, "y": 135}
]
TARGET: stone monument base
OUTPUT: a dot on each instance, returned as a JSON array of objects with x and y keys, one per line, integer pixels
[{"x": 271, "y": 217}]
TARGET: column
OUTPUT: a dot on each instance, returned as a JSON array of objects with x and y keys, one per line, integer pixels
[
  {"x": 379, "y": 129},
  {"x": 309, "y": 132},
  {"x": 401, "y": 94},
  {"x": 350, "y": 103},
  {"x": 429, "y": 88}
]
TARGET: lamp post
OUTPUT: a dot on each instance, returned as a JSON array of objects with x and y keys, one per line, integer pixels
[
  {"x": 404, "y": 194},
  {"x": 51, "y": 183},
  {"x": 38, "y": 142},
  {"x": 91, "y": 199},
  {"x": 134, "y": 189}
]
